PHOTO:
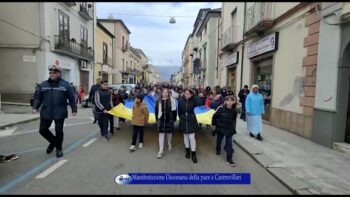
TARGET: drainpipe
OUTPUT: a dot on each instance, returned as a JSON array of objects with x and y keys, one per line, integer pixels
[
  {"x": 217, "y": 56},
  {"x": 93, "y": 43},
  {"x": 242, "y": 54}
]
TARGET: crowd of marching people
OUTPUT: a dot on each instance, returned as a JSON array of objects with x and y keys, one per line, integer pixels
[
  {"x": 171, "y": 103},
  {"x": 175, "y": 101}
]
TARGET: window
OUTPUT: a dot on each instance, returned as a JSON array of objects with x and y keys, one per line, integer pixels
[
  {"x": 84, "y": 36},
  {"x": 131, "y": 63},
  {"x": 205, "y": 29},
  {"x": 123, "y": 42},
  {"x": 63, "y": 26},
  {"x": 123, "y": 64},
  {"x": 105, "y": 53}
]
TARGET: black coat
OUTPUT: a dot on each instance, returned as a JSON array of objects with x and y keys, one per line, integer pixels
[
  {"x": 188, "y": 121},
  {"x": 166, "y": 123},
  {"x": 225, "y": 120},
  {"x": 52, "y": 98},
  {"x": 92, "y": 92}
]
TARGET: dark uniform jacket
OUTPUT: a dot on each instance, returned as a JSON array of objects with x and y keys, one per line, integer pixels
[{"x": 52, "y": 98}]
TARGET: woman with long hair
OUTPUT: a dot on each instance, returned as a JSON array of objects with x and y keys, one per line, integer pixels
[{"x": 165, "y": 112}]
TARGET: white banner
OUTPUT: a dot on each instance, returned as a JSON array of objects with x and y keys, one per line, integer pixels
[{"x": 264, "y": 45}]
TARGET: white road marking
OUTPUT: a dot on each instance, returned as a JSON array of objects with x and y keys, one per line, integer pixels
[
  {"x": 51, "y": 169},
  {"x": 8, "y": 131},
  {"x": 66, "y": 125},
  {"x": 89, "y": 142}
]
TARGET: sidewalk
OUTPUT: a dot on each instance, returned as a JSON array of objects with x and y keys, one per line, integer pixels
[
  {"x": 302, "y": 165},
  {"x": 7, "y": 120}
]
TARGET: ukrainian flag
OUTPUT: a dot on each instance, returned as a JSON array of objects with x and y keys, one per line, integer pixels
[{"x": 203, "y": 114}]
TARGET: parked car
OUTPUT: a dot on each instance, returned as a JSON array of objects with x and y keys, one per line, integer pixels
[{"x": 128, "y": 87}]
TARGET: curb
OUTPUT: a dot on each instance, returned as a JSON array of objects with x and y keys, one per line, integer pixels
[
  {"x": 20, "y": 122},
  {"x": 295, "y": 185}
]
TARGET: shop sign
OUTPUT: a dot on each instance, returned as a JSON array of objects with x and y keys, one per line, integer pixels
[
  {"x": 231, "y": 59},
  {"x": 264, "y": 45}
]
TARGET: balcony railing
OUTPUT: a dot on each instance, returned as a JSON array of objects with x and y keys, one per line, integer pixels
[
  {"x": 125, "y": 48},
  {"x": 259, "y": 17},
  {"x": 73, "y": 49},
  {"x": 70, "y": 4},
  {"x": 230, "y": 38},
  {"x": 86, "y": 13}
]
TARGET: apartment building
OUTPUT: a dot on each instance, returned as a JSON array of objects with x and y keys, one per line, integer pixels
[{"x": 43, "y": 34}]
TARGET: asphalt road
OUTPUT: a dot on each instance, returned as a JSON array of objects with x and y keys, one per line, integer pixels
[{"x": 90, "y": 165}]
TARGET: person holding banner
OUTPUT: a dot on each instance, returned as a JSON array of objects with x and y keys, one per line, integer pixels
[
  {"x": 165, "y": 113},
  {"x": 104, "y": 103},
  {"x": 225, "y": 121},
  {"x": 188, "y": 123}
]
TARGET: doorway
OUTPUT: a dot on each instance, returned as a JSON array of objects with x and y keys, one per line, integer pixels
[
  {"x": 263, "y": 78},
  {"x": 84, "y": 80},
  {"x": 231, "y": 79}
]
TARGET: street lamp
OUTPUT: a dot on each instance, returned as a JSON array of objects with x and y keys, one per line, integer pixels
[{"x": 172, "y": 20}]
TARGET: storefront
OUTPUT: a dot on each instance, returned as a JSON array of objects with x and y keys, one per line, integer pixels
[
  {"x": 261, "y": 55},
  {"x": 230, "y": 62}
]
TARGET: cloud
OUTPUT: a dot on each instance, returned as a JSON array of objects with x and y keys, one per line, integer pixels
[{"x": 159, "y": 39}]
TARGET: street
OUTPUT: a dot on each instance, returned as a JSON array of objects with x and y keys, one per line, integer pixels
[{"x": 90, "y": 165}]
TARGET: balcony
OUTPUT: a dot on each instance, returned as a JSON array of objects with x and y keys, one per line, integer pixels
[
  {"x": 108, "y": 61},
  {"x": 70, "y": 4},
  {"x": 73, "y": 49},
  {"x": 126, "y": 71},
  {"x": 125, "y": 48},
  {"x": 86, "y": 13},
  {"x": 230, "y": 39},
  {"x": 259, "y": 17}
]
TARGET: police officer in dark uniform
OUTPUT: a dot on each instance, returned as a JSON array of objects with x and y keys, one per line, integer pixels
[{"x": 52, "y": 101}]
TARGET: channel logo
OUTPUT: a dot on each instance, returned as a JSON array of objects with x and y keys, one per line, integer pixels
[{"x": 123, "y": 179}]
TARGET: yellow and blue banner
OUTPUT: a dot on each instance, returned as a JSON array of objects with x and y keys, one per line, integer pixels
[{"x": 203, "y": 114}]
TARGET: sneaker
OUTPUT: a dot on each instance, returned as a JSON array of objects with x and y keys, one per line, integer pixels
[
  {"x": 50, "y": 148},
  {"x": 132, "y": 148},
  {"x": 160, "y": 154},
  {"x": 259, "y": 137},
  {"x": 170, "y": 148},
  {"x": 251, "y": 135},
  {"x": 106, "y": 138},
  {"x": 59, "y": 153},
  {"x": 232, "y": 164},
  {"x": 140, "y": 145}
]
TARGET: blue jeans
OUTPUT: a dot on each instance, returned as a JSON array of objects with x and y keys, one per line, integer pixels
[{"x": 228, "y": 145}]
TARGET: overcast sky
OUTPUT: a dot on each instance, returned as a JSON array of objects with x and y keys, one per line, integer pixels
[{"x": 161, "y": 41}]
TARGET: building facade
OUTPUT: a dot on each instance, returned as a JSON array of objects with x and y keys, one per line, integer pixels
[
  {"x": 208, "y": 47},
  {"x": 43, "y": 34},
  {"x": 187, "y": 62},
  {"x": 121, "y": 49},
  {"x": 103, "y": 54},
  {"x": 274, "y": 58},
  {"x": 331, "y": 50}
]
